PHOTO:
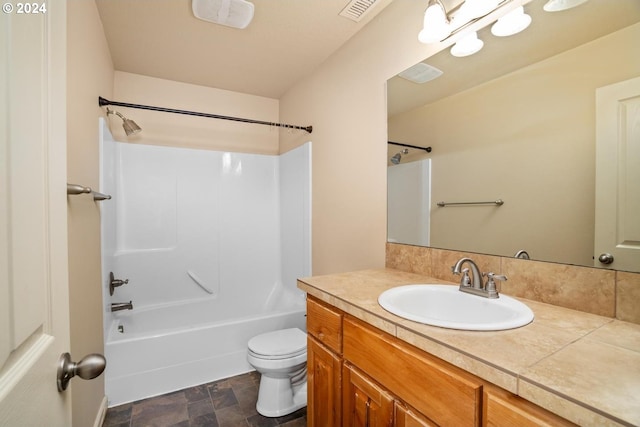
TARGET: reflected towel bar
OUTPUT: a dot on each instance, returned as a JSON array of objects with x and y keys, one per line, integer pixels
[
  {"x": 498, "y": 202},
  {"x": 74, "y": 189}
]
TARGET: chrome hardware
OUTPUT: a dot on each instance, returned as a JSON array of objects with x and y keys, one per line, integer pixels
[
  {"x": 605, "y": 258},
  {"x": 498, "y": 202},
  {"x": 522, "y": 254},
  {"x": 114, "y": 283},
  {"x": 74, "y": 189},
  {"x": 465, "y": 282},
  {"x": 490, "y": 286},
  {"x": 118, "y": 306},
  {"x": 88, "y": 368},
  {"x": 77, "y": 189},
  {"x": 475, "y": 286}
]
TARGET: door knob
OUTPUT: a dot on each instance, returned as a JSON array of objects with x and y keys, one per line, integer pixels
[
  {"x": 605, "y": 258},
  {"x": 88, "y": 368}
]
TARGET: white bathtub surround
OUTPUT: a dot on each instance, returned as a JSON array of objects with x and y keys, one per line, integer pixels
[{"x": 212, "y": 243}]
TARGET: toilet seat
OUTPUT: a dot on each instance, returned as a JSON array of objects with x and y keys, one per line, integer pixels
[{"x": 282, "y": 344}]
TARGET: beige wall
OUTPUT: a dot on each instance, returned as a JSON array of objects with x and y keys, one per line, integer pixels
[
  {"x": 345, "y": 101},
  {"x": 161, "y": 128},
  {"x": 89, "y": 74},
  {"x": 528, "y": 138}
]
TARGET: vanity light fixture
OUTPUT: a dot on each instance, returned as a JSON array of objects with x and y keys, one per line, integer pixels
[
  {"x": 560, "y": 5},
  {"x": 468, "y": 45},
  {"x": 439, "y": 25},
  {"x": 436, "y": 25},
  {"x": 472, "y": 9},
  {"x": 511, "y": 23}
]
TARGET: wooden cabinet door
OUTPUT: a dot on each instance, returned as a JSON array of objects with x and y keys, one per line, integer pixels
[
  {"x": 444, "y": 393},
  {"x": 324, "y": 374},
  {"x": 407, "y": 418},
  {"x": 502, "y": 408},
  {"x": 324, "y": 323},
  {"x": 365, "y": 404}
]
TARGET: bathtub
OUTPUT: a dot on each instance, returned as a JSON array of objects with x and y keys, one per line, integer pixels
[{"x": 159, "y": 349}]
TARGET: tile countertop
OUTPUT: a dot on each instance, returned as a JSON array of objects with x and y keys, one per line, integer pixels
[{"x": 583, "y": 367}]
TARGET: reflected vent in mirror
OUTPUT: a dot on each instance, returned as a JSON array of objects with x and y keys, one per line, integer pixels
[{"x": 420, "y": 73}]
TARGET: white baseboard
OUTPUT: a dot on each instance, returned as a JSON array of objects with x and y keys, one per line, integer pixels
[{"x": 102, "y": 413}]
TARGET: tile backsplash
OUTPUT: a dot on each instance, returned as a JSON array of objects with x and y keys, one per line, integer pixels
[{"x": 603, "y": 292}]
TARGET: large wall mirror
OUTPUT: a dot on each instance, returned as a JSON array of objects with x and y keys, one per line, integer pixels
[{"x": 517, "y": 122}]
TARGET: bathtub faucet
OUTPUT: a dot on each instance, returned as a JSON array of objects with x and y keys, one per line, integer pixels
[{"x": 117, "y": 306}]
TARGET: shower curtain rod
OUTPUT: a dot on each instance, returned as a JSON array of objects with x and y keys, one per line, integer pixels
[
  {"x": 104, "y": 102},
  {"x": 427, "y": 149}
]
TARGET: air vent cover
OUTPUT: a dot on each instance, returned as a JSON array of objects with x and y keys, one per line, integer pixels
[
  {"x": 421, "y": 73},
  {"x": 232, "y": 13},
  {"x": 356, "y": 9}
]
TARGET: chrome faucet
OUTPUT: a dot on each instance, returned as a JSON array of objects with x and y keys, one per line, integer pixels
[
  {"x": 465, "y": 281},
  {"x": 475, "y": 286},
  {"x": 117, "y": 306}
]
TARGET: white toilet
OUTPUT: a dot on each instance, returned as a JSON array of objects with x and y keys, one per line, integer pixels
[{"x": 281, "y": 358}]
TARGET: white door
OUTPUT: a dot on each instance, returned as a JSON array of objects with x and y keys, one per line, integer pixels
[
  {"x": 34, "y": 318},
  {"x": 617, "y": 230}
]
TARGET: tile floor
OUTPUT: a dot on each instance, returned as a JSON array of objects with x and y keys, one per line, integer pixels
[{"x": 226, "y": 403}]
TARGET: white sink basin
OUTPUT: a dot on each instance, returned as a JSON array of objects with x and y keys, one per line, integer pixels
[{"x": 447, "y": 307}]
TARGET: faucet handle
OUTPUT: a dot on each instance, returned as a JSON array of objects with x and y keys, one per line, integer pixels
[
  {"x": 491, "y": 284},
  {"x": 465, "y": 280},
  {"x": 114, "y": 283}
]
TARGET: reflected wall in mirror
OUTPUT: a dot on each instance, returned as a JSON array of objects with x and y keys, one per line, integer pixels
[{"x": 517, "y": 122}]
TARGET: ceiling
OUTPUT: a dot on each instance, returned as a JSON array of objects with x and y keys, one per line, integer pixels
[
  {"x": 549, "y": 34},
  {"x": 285, "y": 42}
]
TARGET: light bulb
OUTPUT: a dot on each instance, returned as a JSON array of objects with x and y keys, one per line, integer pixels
[
  {"x": 435, "y": 24},
  {"x": 511, "y": 23},
  {"x": 560, "y": 5},
  {"x": 467, "y": 45}
]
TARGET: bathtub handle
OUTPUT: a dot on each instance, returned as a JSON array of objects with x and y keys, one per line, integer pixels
[
  {"x": 114, "y": 283},
  {"x": 198, "y": 282}
]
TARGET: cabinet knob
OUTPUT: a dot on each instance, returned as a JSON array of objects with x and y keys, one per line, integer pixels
[{"x": 605, "y": 258}]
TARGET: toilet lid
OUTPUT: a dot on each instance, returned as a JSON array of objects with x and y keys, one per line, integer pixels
[{"x": 280, "y": 343}]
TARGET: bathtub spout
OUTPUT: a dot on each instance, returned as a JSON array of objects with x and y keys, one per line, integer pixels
[{"x": 117, "y": 306}]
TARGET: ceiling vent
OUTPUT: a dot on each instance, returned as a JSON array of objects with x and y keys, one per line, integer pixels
[
  {"x": 357, "y": 9},
  {"x": 232, "y": 13}
]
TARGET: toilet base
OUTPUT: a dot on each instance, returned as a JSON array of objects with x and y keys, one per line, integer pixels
[{"x": 277, "y": 397}]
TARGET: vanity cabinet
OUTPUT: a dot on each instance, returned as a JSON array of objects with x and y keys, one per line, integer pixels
[
  {"x": 406, "y": 417},
  {"x": 324, "y": 365},
  {"x": 324, "y": 386},
  {"x": 360, "y": 376},
  {"x": 365, "y": 404},
  {"x": 502, "y": 408},
  {"x": 442, "y": 392}
]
